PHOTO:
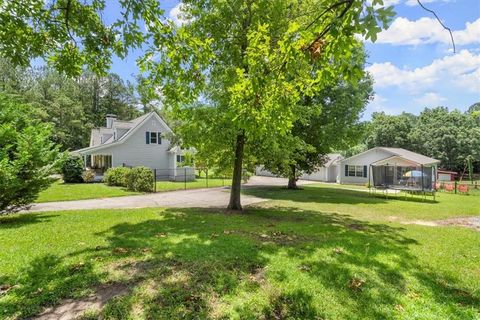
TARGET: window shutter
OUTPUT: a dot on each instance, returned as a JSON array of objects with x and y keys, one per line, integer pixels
[
  {"x": 346, "y": 170},
  {"x": 365, "y": 170},
  {"x": 159, "y": 138},
  {"x": 147, "y": 137}
]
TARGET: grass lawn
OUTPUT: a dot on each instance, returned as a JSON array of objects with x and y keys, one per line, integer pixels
[
  {"x": 317, "y": 253},
  {"x": 60, "y": 191},
  {"x": 197, "y": 184}
]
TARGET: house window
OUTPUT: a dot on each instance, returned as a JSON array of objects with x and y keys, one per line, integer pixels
[
  {"x": 351, "y": 171},
  {"x": 153, "y": 137},
  {"x": 180, "y": 158},
  {"x": 359, "y": 171},
  {"x": 356, "y": 171}
]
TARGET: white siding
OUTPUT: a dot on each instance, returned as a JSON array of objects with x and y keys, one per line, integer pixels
[
  {"x": 319, "y": 175},
  {"x": 363, "y": 159},
  {"x": 135, "y": 152},
  {"x": 261, "y": 171}
]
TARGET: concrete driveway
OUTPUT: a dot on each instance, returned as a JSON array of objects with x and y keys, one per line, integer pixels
[{"x": 195, "y": 198}]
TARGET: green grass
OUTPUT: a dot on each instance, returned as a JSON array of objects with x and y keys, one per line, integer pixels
[
  {"x": 317, "y": 253},
  {"x": 372, "y": 207},
  {"x": 60, "y": 191},
  {"x": 197, "y": 184}
]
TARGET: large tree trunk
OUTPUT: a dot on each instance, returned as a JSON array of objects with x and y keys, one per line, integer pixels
[
  {"x": 292, "y": 179},
  {"x": 235, "y": 203}
]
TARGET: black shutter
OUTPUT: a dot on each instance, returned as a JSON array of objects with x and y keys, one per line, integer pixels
[
  {"x": 147, "y": 137},
  {"x": 346, "y": 170},
  {"x": 365, "y": 171},
  {"x": 159, "y": 138}
]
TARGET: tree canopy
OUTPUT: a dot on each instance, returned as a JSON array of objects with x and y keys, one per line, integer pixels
[
  {"x": 72, "y": 105},
  {"x": 27, "y": 155},
  {"x": 329, "y": 121}
]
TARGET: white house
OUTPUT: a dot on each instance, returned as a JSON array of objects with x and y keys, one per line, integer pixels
[
  {"x": 139, "y": 142},
  {"x": 329, "y": 172},
  {"x": 392, "y": 164}
]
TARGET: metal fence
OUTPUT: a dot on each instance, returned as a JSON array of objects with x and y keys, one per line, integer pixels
[{"x": 183, "y": 178}]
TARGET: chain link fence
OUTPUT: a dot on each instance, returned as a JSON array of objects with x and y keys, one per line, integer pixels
[{"x": 184, "y": 178}]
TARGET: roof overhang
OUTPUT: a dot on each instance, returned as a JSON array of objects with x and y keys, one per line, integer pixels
[{"x": 400, "y": 161}]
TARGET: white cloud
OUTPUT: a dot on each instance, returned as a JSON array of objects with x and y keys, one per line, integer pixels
[
  {"x": 430, "y": 99},
  {"x": 415, "y": 2},
  {"x": 386, "y": 3},
  {"x": 177, "y": 15},
  {"x": 461, "y": 70},
  {"x": 381, "y": 104},
  {"x": 426, "y": 31}
]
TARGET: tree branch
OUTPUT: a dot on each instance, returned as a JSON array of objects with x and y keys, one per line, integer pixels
[
  {"x": 348, "y": 3},
  {"x": 441, "y": 23},
  {"x": 333, "y": 6}
]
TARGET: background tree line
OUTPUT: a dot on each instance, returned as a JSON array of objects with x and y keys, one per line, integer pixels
[
  {"x": 72, "y": 105},
  {"x": 449, "y": 136}
]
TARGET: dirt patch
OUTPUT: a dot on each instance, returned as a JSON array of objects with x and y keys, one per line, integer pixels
[
  {"x": 71, "y": 309},
  {"x": 257, "y": 275},
  {"x": 470, "y": 222}
]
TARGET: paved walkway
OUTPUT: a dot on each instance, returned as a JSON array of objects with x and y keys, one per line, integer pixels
[{"x": 194, "y": 198}]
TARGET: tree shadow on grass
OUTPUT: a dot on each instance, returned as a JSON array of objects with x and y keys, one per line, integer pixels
[
  {"x": 23, "y": 219},
  {"x": 191, "y": 263},
  {"x": 327, "y": 195}
]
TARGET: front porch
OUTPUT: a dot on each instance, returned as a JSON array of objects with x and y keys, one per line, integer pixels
[{"x": 99, "y": 163}]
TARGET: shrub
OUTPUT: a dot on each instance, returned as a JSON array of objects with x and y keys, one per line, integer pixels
[
  {"x": 27, "y": 155},
  {"x": 246, "y": 175},
  {"x": 116, "y": 176},
  {"x": 88, "y": 176},
  {"x": 72, "y": 169},
  {"x": 140, "y": 179}
]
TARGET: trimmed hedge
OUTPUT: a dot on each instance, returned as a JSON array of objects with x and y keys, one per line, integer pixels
[
  {"x": 140, "y": 179},
  {"x": 116, "y": 176},
  {"x": 72, "y": 169}
]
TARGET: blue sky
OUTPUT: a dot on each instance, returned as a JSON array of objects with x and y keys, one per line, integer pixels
[{"x": 412, "y": 62}]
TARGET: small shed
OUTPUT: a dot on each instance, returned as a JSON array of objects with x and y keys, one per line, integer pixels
[{"x": 446, "y": 175}]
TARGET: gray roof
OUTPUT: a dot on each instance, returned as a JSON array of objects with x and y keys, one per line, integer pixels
[
  {"x": 410, "y": 155},
  {"x": 97, "y": 133}
]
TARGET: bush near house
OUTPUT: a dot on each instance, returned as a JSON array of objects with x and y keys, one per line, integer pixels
[
  {"x": 116, "y": 176},
  {"x": 88, "y": 176},
  {"x": 140, "y": 179},
  {"x": 72, "y": 169}
]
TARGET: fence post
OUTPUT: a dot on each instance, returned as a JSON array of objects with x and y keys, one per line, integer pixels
[
  {"x": 207, "y": 177},
  {"x": 185, "y": 177},
  {"x": 155, "y": 180},
  {"x": 456, "y": 183}
]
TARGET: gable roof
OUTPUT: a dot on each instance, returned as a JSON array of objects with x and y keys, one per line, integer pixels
[
  {"x": 412, "y": 156},
  {"x": 402, "y": 153},
  {"x": 132, "y": 126},
  {"x": 332, "y": 158}
]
